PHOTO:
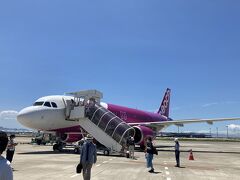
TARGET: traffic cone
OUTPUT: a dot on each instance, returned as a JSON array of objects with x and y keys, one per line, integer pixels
[{"x": 191, "y": 155}]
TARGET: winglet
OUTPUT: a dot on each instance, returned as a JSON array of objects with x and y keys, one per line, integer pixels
[{"x": 164, "y": 108}]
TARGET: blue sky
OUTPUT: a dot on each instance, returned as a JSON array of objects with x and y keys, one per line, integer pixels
[{"x": 130, "y": 50}]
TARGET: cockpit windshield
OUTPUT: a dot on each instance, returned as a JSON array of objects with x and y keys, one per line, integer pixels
[
  {"x": 46, "y": 103},
  {"x": 38, "y": 103},
  {"x": 54, "y": 104}
]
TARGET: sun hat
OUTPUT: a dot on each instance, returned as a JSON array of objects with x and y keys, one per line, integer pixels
[{"x": 89, "y": 136}]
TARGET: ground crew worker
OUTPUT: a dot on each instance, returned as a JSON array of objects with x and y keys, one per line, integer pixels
[
  {"x": 5, "y": 168},
  {"x": 11, "y": 148},
  {"x": 88, "y": 157},
  {"x": 177, "y": 152}
]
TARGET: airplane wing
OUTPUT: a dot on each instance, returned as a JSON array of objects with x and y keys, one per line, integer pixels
[{"x": 183, "y": 121}]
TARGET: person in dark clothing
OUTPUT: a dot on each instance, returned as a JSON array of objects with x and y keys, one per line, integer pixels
[
  {"x": 90, "y": 108},
  {"x": 11, "y": 148},
  {"x": 88, "y": 157},
  {"x": 149, "y": 154},
  {"x": 177, "y": 152}
]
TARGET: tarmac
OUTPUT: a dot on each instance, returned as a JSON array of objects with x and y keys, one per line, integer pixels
[{"x": 212, "y": 160}]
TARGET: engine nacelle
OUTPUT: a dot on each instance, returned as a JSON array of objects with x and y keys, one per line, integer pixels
[
  {"x": 141, "y": 133},
  {"x": 69, "y": 138}
]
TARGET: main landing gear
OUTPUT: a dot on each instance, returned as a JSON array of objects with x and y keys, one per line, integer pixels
[{"x": 58, "y": 147}]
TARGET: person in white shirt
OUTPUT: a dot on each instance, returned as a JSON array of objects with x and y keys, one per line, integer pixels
[
  {"x": 5, "y": 168},
  {"x": 11, "y": 148}
]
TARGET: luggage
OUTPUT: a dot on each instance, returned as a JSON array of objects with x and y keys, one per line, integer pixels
[{"x": 79, "y": 168}]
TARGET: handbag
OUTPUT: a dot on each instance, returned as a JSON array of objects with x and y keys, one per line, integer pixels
[
  {"x": 155, "y": 151},
  {"x": 79, "y": 168}
]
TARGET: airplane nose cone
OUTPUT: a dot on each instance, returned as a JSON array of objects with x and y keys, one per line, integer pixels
[{"x": 24, "y": 116}]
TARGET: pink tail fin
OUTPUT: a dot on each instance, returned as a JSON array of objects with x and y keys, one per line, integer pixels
[{"x": 164, "y": 108}]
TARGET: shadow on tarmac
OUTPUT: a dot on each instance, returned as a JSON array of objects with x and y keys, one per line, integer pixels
[
  {"x": 43, "y": 152},
  {"x": 63, "y": 152},
  {"x": 198, "y": 151},
  {"x": 156, "y": 172}
]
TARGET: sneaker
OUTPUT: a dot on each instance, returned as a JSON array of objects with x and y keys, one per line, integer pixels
[{"x": 151, "y": 171}]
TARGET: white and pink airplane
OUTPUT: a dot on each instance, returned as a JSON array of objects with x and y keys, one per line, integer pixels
[{"x": 49, "y": 114}]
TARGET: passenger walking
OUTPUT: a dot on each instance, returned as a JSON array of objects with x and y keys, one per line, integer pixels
[
  {"x": 88, "y": 157},
  {"x": 11, "y": 148},
  {"x": 5, "y": 168},
  {"x": 90, "y": 108},
  {"x": 149, "y": 154},
  {"x": 177, "y": 152},
  {"x": 131, "y": 146}
]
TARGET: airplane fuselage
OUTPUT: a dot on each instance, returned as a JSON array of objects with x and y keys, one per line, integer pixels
[{"x": 45, "y": 116}]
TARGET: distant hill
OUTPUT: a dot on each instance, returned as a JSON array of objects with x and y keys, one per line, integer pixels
[{"x": 16, "y": 130}]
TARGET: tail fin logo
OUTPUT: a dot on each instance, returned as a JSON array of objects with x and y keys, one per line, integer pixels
[{"x": 164, "y": 108}]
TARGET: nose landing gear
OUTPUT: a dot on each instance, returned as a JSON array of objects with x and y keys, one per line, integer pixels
[{"x": 58, "y": 147}]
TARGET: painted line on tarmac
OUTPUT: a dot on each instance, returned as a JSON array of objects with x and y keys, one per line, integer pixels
[
  {"x": 105, "y": 162},
  {"x": 166, "y": 168},
  {"x": 168, "y": 178},
  {"x": 110, "y": 159},
  {"x": 75, "y": 175},
  {"x": 167, "y": 173},
  {"x": 98, "y": 165},
  {"x": 67, "y": 167}
]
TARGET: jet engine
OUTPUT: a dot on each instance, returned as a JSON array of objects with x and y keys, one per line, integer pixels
[
  {"x": 69, "y": 138},
  {"x": 141, "y": 133}
]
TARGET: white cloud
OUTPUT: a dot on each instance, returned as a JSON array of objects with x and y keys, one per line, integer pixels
[
  {"x": 9, "y": 114},
  {"x": 210, "y": 104},
  {"x": 234, "y": 127},
  {"x": 8, "y": 119},
  {"x": 220, "y": 103}
]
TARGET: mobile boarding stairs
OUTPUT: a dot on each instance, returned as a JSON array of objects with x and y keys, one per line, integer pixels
[{"x": 102, "y": 124}]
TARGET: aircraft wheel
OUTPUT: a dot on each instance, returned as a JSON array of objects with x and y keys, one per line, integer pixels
[
  {"x": 38, "y": 141},
  {"x": 106, "y": 152},
  {"x": 55, "y": 147},
  {"x": 76, "y": 150},
  {"x": 60, "y": 147}
]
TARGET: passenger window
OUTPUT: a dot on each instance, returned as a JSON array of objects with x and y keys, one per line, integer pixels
[
  {"x": 47, "y": 104},
  {"x": 39, "y": 103},
  {"x": 54, "y": 104}
]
